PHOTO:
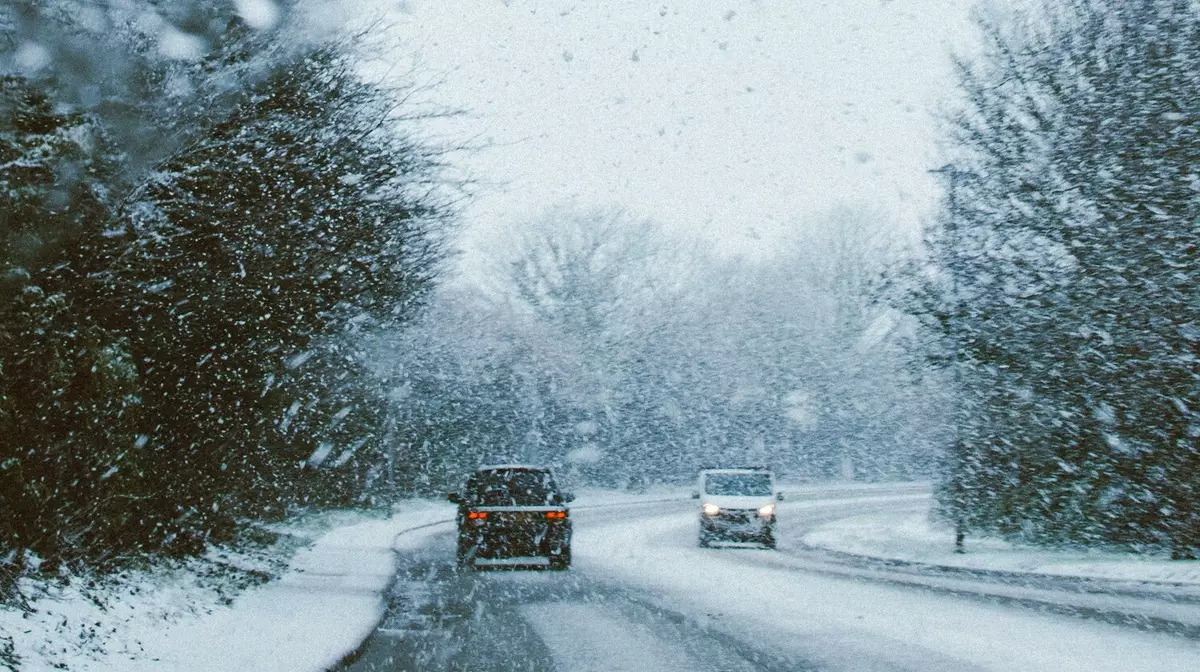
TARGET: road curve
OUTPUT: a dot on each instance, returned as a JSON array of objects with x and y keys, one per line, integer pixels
[{"x": 627, "y": 604}]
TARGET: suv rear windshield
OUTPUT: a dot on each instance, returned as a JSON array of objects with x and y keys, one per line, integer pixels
[
  {"x": 512, "y": 487},
  {"x": 751, "y": 485}
]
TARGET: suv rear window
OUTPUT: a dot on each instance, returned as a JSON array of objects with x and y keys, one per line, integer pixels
[
  {"x": 750, "y": 485},
  {"x": 512, "y": 487}
]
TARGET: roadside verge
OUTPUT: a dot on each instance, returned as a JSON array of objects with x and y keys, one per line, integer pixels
[
  {"x": 910, "y": 537},
  {"x": 328, "y": 601}
]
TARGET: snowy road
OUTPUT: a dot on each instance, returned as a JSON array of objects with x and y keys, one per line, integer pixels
[{"x": 643, "y": 596}]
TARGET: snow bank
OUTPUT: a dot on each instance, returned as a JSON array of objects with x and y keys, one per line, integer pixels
[
  {"x": 319, "y": 611},
  {"x": 326, "y": 602},
  {"x": 911, "y": 536}
]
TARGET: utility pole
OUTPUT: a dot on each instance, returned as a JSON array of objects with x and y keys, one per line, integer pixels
[
  {"x": 952, "y": 174},
  {"x": 389, "y": 440}
]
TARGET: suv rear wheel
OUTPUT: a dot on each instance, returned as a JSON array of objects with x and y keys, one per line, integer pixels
[
  {"x": 466, "y": 552},
  {"x": 562, "y": 560}
]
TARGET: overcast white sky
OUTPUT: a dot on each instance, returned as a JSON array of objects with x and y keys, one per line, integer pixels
[{"x": 734, "y": 119}]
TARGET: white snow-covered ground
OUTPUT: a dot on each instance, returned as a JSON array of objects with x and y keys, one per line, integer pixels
[
  {"x": 912, "y": 536},
  {"x": 847, "y": 623},
  {"x": 321, "y": 609},
  {"x": 331, "y": 596},
  {"x": 322, "y": 606}
]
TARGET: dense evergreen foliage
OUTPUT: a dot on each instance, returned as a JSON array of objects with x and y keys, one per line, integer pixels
[
  {"x": 179, "y": 344},
  {"x": 1065, "y": 285}
]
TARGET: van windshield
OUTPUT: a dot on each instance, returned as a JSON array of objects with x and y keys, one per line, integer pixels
[{"x": 751, "y": 485}]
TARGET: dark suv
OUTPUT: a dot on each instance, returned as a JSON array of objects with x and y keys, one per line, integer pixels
[{"x": 513, "y": 514}]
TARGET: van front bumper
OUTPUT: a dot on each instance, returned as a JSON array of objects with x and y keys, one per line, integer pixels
[{"x": 736, "y": 524}]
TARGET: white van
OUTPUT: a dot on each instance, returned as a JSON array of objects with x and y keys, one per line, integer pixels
[{"x": 737, "y": 505}]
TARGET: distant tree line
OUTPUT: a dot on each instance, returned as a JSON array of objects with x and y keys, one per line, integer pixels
[
  {"x": 1064, "y": 277},
  {"x": 180, "y": 317},
  {"x": 625, "y": 358}
]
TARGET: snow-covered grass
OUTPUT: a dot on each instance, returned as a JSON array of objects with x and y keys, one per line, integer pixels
[
  {"x": 911, "y": 536},
  {"x": 87, "y": 622},
  {"x": 279, "y": 608}
]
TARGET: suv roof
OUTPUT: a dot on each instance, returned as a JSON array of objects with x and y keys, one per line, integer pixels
[
  {"x": 512, "y": 485},
  {"x": 512, "y": 467}
]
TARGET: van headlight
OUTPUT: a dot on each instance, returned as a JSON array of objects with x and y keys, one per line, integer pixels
[
  {"x": 767, "y": 511},
  {"x": 710, "y": 509}
]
